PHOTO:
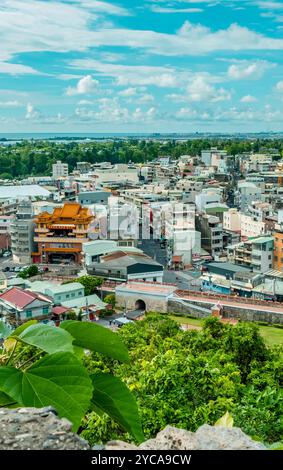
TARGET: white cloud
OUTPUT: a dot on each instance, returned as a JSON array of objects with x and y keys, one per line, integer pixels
[
  {"x": 266, "y": 5},
  {"x": 146, "y": 98},
  {"x": 31, "y": 112},
  {"x": 248, "y": 99},
  {"x": 102, "y": 7},
  {"x": 201, "y": 90},
  {"x": 279, "y": 86},
  {"x": 157, "y": 9},
  {"x": 233, "y": 114},
  {"x": 68, "y": 76},
  {"x": 16, "y": 69},
  {"x": 131, "y": 75},
  {"x": 85, "y": 103},
  {"x": 111, "y": 110},
  {"x": 10, "y": 104},
  {"x": 243, "y": 70},
  {"x": 128, "y": 92},
  {"x": 191, "y": 39},
  {"x": 85, "y": 86},
  {"x": 37, "y": 25}
]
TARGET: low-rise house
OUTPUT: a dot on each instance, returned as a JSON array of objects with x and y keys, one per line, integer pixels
[
  {"x": 59, "y": 292},
  {"x": 125, "y": 266},
  {"x": 89, "y": 306},
  {"x": 19, "y": 305}
]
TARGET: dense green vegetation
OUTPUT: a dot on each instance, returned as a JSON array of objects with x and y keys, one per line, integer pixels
[
  {"x": 28, "y": 272},
  {"x": 186, "y": 379},
  {"x": 90, "y": 283},
  {"x": 271, "y": 334},
  {"x": 37, "y": 157},
  {"x": 41, "y": 366}
]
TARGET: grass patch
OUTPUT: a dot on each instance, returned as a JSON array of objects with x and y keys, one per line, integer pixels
[
  {"x": 186, "y": 320},
  {"x": 270, "y": 334}
]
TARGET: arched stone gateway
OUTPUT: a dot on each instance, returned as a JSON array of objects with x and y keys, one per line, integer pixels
[
  {"x": 146, "y": 296},
  {"x": 140, "y": 305}
]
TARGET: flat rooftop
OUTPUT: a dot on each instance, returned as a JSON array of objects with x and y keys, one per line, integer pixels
[
  {"x": 21, "y": 191},
  {"x": 147, "y": 287}
]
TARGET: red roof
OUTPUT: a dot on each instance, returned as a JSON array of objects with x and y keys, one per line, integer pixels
[
  {"x": 60, "y": 310},
  {"x": 21, "y": 298},
  {"x": 177, "y": 259}
]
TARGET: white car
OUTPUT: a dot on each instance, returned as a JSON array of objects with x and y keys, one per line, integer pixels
[{"x": 7, "y": 254}]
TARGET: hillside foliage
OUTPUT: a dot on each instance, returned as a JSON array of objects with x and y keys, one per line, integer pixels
[{"x": 188, "y": 378}]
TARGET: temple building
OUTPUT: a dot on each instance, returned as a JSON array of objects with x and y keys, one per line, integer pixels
[{"x": 61, "y": 234}]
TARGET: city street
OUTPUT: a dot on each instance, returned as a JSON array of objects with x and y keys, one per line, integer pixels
[{"x": 187, "y": 280}]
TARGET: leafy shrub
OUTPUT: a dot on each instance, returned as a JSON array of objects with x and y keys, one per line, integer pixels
[
  {"x": 188, "y": 378},
  {"x": 42, "y": 365}
]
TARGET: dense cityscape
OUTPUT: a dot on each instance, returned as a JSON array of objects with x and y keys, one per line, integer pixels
[
  {"x": 137, "y": 236},
  {"x": 141, "y": 233}
]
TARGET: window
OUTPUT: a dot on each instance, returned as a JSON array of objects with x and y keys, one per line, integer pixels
[
  {"x": 73, "y": 294},
  {"x": 67, "y": 296},
  {"x": 45, "y": 310},
  {"x": 28, "y": 313}
]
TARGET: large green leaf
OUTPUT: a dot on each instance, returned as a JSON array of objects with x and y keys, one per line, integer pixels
[
  {"x": 5, "y": 330},
  {"x": 57, "y": 380},
  {"x": 96, "y": 338},
  {"x": 114, "y": 398},
  {"x": 5, "y": 400},
  {"x": 11, "y": 341},
  {"x": 23, "y": 327},
  {"x": 48, "y": 338}
]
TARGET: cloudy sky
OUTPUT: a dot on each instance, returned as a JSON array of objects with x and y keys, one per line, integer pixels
[{"x": 141, "y": 66}]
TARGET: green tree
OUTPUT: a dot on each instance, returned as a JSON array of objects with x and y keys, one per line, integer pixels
[
  {"x": 90, "y": 283},
  {"x": 189, "y": 378},
  {"x": 110, "y": 299},
  {"x": 29, "y": 272}
]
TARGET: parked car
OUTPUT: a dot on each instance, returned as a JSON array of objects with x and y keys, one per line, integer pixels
[
  {"x": 6, "y": 269},
  {"x": 17, "y": 269},
  {"x": 6, "y": 254}
]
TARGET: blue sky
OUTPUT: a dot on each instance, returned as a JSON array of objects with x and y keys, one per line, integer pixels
[{"x": 141, "y": 66}]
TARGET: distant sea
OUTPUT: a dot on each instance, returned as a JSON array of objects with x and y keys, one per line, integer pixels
[{"x": 14, "y": 137}]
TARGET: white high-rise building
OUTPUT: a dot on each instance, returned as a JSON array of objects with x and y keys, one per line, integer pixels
[{"x": 59, "y": 169}]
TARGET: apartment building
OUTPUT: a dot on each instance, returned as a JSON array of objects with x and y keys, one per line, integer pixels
[
  {"x": 5, "y": 231},
  {"x": 22, "y": 233},
  {"x": 59, "y": 170},
  {"x": 211, "y": 233},
  {"x": 208, "y": 197},
  {"x": 278, "y": 247},
  {"x": 256, "y": 254},
  {"x": 247, "y": 193},
  {"x": 213, "y": 156}
]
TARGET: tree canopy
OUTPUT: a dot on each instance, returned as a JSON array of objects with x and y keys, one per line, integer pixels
[
  {"x": 188, "y": 378},
  {"x": 36, "y": 157}
]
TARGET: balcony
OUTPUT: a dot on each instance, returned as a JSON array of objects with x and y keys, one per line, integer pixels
[
  {"x": 60, "y": 240},
  {"x": 41, "y": 230}
]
